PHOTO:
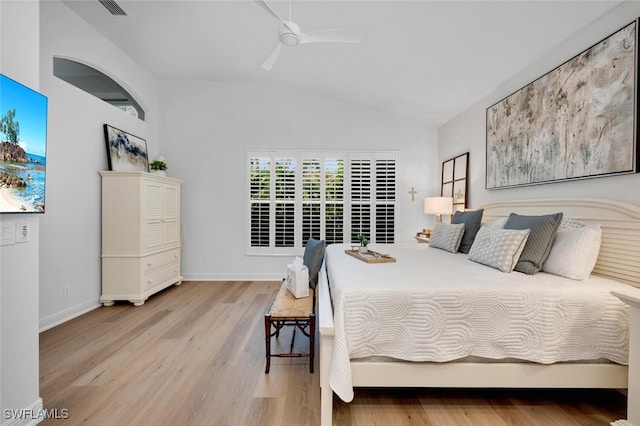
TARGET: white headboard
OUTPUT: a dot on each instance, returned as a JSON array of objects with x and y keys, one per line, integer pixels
[{"x": 619, "y": 257}]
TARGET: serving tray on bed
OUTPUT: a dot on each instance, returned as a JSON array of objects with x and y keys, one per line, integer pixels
[{"x": 371, "y": 256}]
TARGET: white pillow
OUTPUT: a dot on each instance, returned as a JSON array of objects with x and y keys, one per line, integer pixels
[
  {"x": 574, "y": 252},
  {"x": 496, "y": 224},
  {"x": 566, "y": 224},
  {"x": 447, "y": 237},
  {"x": 498, "y": 248}
]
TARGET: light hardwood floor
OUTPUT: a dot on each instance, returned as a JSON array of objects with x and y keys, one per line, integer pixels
[{"x": 194, "y": 355}]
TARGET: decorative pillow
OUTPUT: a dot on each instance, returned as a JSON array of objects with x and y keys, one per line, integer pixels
[
  {"x": 471, "y": 220},
  {"x": 496, "y": 224},
  {"x": 312, "y": 259},
  {"x": 498, "y": 248},
  {"x": 543, "y": 231},
  {"x": 574, "y": 252},
  {"x": 446, "y": 237}
]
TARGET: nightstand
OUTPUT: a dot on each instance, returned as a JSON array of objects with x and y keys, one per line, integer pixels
[
  {"x": 421, "y": 238},
  {"x": 632, "y": 298}
]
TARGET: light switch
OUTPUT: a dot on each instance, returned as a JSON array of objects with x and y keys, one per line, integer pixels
[{"x": 7, "y": 233}]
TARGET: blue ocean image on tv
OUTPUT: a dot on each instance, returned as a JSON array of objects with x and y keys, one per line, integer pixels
[{"x": 23, "y": 140}]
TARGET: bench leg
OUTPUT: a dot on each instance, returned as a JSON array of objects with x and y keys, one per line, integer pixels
[
  {"x": 312, "y": 340},
  {"x": 267, "y": 341}
]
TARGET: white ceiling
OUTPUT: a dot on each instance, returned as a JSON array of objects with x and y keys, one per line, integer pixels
[{"x": 426, "y": 59}]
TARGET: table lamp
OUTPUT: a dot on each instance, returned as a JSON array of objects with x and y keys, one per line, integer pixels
[{"x": 438, "y": 206}]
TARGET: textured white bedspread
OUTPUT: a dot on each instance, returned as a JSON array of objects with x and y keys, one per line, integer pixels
[{"x": 431, "y": 305}]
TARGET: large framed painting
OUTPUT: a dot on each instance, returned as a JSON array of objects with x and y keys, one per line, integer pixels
[
  {"x": 125, "y": 152},
  {"x": 578, "y": 121},
  {"x": 23, "y": 147}
]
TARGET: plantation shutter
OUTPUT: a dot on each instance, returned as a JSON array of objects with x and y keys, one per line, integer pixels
[
  {"x": 361, "y": 176},
  {"x": 385, "y": 200},
  {"x": 311, "y": 202},
  {"x": 260, "y": 200},
  {"x": 330, "y": 196},
  {"x": 285, "y": 202},
  {"x": 334, "y": 200},
  {"x": 373, "y": 196}
]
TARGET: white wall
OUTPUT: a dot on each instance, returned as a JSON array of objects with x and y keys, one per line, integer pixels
[
  {"x": 19, "y": 381},
  {"x": 202, "y": 124},
  {"x": 70, "y": 229},
  {"x": 466, "y": 132},
  {"x": 206, "y": 129}
]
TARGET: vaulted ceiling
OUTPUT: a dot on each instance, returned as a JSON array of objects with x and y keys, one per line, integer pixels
[{"x": 425, "y": 59}]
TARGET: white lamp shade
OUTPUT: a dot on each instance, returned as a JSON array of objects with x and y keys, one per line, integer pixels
[{"x": 438, "y": 205}]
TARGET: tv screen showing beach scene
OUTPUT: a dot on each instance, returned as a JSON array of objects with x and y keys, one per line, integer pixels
[{"x": 23, "y": 142}]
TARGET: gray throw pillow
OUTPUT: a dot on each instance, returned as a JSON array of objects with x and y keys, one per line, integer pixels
[
  {"x": 498, "y": 248},
  {"x": 472, "y": 220},
  {"x": 543, "y": 231},
  {"x": 312, "y": 259},
  {"x": 446, "y": 237}
]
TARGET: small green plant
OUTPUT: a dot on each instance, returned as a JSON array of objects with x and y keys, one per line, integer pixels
[
  {"x": 158, "y": 165},
  {"x": 363, "y": 240}
]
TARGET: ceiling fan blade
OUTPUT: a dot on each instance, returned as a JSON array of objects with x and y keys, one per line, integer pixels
[
  {"x": 337, "y": 36},
  {"x": 269, "y": 9},
  {"x": 271, "y": 59}
]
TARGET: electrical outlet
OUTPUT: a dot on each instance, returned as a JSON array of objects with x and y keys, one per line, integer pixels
[
  {"x": 65, "y": 290},
  {"x": 23, "y": 232}
]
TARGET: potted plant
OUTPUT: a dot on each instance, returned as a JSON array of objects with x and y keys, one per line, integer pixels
[
  {"x": 364, "y": 242},
  {"x": 159, "y": 166}
]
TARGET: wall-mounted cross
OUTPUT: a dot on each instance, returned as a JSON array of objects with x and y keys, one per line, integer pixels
[{"x": 413, "y": 193}]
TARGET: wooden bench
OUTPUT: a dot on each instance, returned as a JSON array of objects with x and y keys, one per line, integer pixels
[{"x": 286, "y": 310}]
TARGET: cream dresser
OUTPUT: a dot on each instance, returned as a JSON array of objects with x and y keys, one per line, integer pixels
[{"x": 141, "y": 236}]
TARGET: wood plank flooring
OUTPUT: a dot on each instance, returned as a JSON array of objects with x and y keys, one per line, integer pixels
[{"x": 194, "y": 355}]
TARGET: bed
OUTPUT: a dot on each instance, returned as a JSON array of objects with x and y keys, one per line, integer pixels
[{"x": 357, "y": 364}]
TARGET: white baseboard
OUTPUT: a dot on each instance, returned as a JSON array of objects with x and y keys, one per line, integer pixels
[
  {"x": 232, "y": 277},
  {"x": 28, "y": 416},
  {"x": 70, "y": 313},
  {"x": 82, "y": 308}
]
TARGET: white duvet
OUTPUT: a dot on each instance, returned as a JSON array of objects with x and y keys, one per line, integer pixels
[{"x": 431, "y": 305}]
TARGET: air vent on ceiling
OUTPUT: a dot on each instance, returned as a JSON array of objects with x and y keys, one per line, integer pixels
[{"x": 113, "y": 7}]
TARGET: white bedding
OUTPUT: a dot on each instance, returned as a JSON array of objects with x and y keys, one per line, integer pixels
[{"x": 431, "y": 305}]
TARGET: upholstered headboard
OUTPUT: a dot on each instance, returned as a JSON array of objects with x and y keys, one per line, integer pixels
[{"x": 619, "y": 257}]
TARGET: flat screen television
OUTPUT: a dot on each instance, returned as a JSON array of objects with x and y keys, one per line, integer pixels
[{"x": 23, "y": 143}]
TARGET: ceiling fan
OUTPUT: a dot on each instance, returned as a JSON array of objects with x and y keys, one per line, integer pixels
[{"x": 291, "y": 35}]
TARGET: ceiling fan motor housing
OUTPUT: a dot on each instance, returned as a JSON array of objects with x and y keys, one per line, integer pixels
[{"x": 290, "y": 34}]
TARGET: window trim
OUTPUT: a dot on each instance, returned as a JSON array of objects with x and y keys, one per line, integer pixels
[{"x": 83, "y": 70}]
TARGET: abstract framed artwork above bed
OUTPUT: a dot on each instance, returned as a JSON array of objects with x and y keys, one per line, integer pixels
[{"x": 578, "y": 121}]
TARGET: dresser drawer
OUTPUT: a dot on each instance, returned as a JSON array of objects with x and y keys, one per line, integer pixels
[
  {"x": 161, "y": 275},
  {"x": 160, "y": 259}
]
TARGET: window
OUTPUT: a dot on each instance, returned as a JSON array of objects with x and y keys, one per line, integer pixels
[
  {"x": 293, "y": 196},
  {"x": 97, "y": 84}
]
